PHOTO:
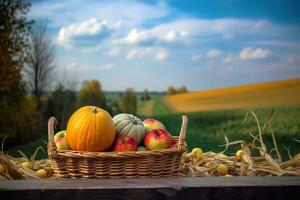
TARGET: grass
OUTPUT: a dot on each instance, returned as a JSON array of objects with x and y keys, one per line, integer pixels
[
  {"x": 146, "y": 108},
  {"x": 29, "y": 149},
  {"x": 160, "y": 108},
  {"x": 221, "y": 112},
  {"x": 156, "y": 106},
  {"x": 207, "y": 129}
]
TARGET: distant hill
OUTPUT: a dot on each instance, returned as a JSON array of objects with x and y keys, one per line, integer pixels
[{"x": 286, "y": 92}]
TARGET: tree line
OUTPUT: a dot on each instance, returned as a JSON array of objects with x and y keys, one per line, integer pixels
[
  {"x": 172, "y": 91},
  {"x": 62, "y": 102},
  {"x": 27, "y": 69}
]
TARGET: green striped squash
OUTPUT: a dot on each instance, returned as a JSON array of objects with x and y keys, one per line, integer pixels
[{"x": 129, "y": 125}]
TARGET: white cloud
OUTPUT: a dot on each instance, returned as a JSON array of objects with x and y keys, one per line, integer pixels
[
  {"x": 161, "y": 55},
  {"x": 228, "y": 58},
  {"x": 127, "y": 23},
  {"x": 184, "y": 30},
  {"x": 174, "y": 36},
  {"x": 138, "y": 53},
  {"x": 107, "y": 66},
  {"x": 197, "y": 57},
  {"x": 146, "y": 51},
  {"x": 74, "y": 66},
  {"x": 118, "y": 24},
  {"x": 132, "y": 54},
  {"x": 191, "y": 29},
  {"x": 213, "y": 53},
  {"x": 113, "y": 52},
  {"x": 261, "y": 24},
  {"x": 141, "y": 52},
  {"x": 61, "y": 13},
  {"x": 136, "y": 36},
  {"x": 224, "y": 27},
  {"x": 86, "y": 33},
  {"x": 150, "y": 37},
  {"x": 252, "y": 53},
  {"x": 277, "y": 43}
]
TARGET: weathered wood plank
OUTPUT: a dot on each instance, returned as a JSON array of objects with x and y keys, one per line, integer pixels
[
  {"x": 155, "y": 188},
  {"x": 149, "y": 183}
]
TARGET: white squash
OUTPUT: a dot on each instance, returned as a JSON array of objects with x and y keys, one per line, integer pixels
[{"x": 129, "y": 125}]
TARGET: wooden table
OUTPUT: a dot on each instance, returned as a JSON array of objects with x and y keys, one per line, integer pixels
[{"x": 204, "y": 188}]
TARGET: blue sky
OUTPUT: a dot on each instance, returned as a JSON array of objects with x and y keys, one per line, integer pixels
[{"x": 155, "y": 44}]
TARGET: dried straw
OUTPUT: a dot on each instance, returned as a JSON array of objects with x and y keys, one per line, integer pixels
[
  {"x": 263, "y": 165},
  {"x": 13, "y": 169},
  {"x": 191, "y": 165}
]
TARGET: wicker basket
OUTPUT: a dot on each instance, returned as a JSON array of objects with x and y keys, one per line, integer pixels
[{"x": 134, "y": 164}]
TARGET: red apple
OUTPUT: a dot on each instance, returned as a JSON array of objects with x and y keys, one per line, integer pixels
[
  {"x": 151, "y": 124},
  {"x": 125, "y": 143},
  {"x": 158, "y": 139}
]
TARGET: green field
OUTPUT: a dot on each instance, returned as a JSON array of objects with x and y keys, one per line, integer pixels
[
  {"x": 206, "y": 129},
  {"x": 154, "y": 107}
]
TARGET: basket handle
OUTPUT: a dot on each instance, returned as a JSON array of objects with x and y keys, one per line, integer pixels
[
  {"x": 52, "y": 123},
  {"x": 181, "y": 141}
]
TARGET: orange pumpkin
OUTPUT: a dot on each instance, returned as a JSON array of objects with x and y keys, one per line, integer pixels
[{"x": 90, "y": 129}]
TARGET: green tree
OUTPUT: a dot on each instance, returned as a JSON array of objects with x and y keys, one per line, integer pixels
[
  {"x": 62, "y": 103},
  {"x": 14, "y": 34},
  {"x": 116, "y": 108},
  {"x": 182, "y": 89},
  {"x": 91, "y": 94},
  {"x": 145, "y": 95},
  {"x": 113, "y": 107},
  {"x": 17, "y": 119},
  {"x": 27, "y": 121},
  {"x": 171, "y": 91},
  {"x": 129, "y": 102}
]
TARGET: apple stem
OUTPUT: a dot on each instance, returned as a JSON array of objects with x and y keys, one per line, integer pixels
[{"x": 94, "y": 110}]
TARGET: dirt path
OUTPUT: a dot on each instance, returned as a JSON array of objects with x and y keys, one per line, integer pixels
[{"x": 147, "y": 109}]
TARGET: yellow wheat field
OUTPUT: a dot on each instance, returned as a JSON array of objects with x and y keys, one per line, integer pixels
[{"x": 285, "y": 92}]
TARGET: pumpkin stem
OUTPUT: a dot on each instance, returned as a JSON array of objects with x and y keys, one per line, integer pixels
[{"x": 94, "y": 110}]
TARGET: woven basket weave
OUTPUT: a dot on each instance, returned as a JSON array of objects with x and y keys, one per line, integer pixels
[{"x": 134, "y": 164}]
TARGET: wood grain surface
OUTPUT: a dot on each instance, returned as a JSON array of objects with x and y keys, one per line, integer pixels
[{"x": 155, "y": 188}]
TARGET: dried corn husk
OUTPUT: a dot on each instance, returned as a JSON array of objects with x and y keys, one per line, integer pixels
[
  {"x": 13, "y": 166},
  {"x": 264, "y": 165},
  {"x": 205, "y": 164}
]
